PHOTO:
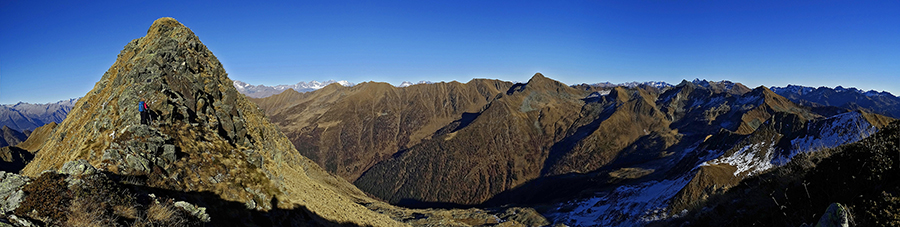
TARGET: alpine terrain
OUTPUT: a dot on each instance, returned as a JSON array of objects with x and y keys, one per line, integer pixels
[
  {"x": 583, "y": 155},
  {"x": 209, "y": 156}
]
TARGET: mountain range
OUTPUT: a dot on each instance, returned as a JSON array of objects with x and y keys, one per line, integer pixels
[
  {"x": 850, "y": 98},
  {"x": 481, "y": 153},
  {"x": 648, "y": 151},
  {"x": 26, "y": 116}
]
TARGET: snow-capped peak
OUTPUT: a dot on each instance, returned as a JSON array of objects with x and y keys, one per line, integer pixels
[
  {"x": 261, "y": 91},
  {"x": 407, "y": 83}
]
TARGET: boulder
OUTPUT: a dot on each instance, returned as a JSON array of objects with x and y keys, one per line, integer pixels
[
  {"x": 11, "y": 191},
  {"x": 196, "y": 211},
  {"x": 835, "y": 215},
  {"x": 78, "y": 167}
]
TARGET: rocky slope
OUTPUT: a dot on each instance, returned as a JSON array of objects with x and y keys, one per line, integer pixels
[{"x": 27, "y": 116}]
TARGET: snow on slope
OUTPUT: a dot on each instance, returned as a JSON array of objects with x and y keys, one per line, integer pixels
[
  {"x": 832, "y": 132},
  {"x": 749, "y": 160},
  {"x": 627, "y": 205}
]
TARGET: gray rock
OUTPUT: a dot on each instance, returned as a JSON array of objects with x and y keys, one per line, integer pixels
[
  {"x": 137, "y": 163},
  {"x": 196, "y": 211},
  {"x": 254, "y": 158},
  {"x": 835, "y": 215},
  {"x": 78, "y": 167},
  {"x": 169, "y": 153},
  {"x": 20, "y": 221},
  {"x": 112, "y": 155},
  {"x": 11, "y": 191}
]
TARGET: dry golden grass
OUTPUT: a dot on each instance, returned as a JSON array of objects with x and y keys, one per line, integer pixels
[
  {"x": 129, "y": 212},
  {"x": 83, "y": 213},
  {"x": 160, "y": 212}
]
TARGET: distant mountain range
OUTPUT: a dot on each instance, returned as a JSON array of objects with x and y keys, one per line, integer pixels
[
  {"x": 26, "y": 116},
  {"x": 261, "y": 91},
  {"x": 851, "y": 98}
]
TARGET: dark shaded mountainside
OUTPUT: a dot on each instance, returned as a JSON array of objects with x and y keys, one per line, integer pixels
[
  {"x": 862, "y": 179},
  {"x": 11, "y": 137},
  {"x": 558, "y": 148},
  {"x": 209, "y": 156}
]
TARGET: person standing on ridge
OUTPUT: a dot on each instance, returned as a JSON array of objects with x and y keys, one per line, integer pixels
[{"x": 144, "y": 109}]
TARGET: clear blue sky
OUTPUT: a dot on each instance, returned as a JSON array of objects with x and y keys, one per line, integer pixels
[{"x": 51, "y": 51}]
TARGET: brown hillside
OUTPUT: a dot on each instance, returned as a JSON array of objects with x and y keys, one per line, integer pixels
[
  {"x": 347, "y": 130},
  {"x": 38, "y": 137},
  {"x": 484, "y": 153}
]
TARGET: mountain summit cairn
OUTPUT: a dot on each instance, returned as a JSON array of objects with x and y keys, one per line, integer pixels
[{"x": 205, "y": 137}]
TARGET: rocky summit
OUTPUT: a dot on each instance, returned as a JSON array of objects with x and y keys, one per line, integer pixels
[{"x": 203, "y": 137}]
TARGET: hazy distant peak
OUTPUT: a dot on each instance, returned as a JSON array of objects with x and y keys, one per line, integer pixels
[
  {"x": 803, "y": 90},
  {"x": 407, "y": 83},
  {"x": 262, "y": 91}
]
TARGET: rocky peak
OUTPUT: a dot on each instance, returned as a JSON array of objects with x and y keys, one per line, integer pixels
[{"x": 204, "y": 136}]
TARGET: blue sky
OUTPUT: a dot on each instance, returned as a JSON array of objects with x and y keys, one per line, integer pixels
[{"x": 51, "y": 51}]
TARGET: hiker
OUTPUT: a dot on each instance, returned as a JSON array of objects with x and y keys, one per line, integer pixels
[{"x": 145, "y": 112}]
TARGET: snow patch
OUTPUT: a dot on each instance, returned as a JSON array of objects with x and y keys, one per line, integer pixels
[
  {"x": 627, "y": 205},
  {"x": 832, "y": 132},
  {"x": 749, "y": 160}
]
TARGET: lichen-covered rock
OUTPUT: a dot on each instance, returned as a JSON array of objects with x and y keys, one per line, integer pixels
[
  {"x": 196, "y": 211},
  {"x": 11, "y": 191},
  {"x": 78, "y": 167},
  {"x": 835, "y": 216}
]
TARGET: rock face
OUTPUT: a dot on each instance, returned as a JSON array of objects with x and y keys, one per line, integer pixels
[
  {"x": 11, "y": 191},
  {"x": 204, "y": 136}
]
